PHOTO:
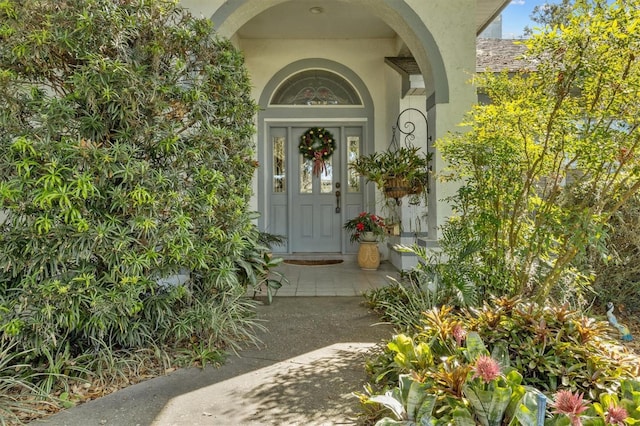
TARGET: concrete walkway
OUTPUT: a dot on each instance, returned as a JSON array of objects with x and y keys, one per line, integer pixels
[{"x": 311, "y": 361}]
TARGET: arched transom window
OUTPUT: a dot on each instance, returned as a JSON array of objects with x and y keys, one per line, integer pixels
[{"x": 316, "y": 87}]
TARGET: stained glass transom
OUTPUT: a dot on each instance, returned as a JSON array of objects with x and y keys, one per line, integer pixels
[{"x": 316, "y": 87}]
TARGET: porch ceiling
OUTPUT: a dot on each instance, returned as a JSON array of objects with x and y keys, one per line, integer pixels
[{"x": 338, "y": 19}]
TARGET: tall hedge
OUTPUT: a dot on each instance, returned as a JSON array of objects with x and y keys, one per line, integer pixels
[{"x": 125, "y": 157}]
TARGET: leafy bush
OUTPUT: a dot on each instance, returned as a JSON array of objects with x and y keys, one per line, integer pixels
[
  {"x": 450, "y": 276},
  {"x": 472, "y": 389},
  {"x": 126, "y": 168},
  {"x": 402, "y": 302},
  {"x": 550, "y": 348},
  {"x": 617, "y": 272},
  {"x": 20, "y": 397},
  {"x": 555, "y": 153}
]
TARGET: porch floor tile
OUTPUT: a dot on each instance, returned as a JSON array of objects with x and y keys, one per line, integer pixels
[{"x": 341, "y": 279}]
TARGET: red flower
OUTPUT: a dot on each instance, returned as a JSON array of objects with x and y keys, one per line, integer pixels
[
  {"x": 571, "y": 405},
  {"x": 616, "y": 415},
  {"x": 365, "y": 222},
  {"x": 486, "y": 368}
]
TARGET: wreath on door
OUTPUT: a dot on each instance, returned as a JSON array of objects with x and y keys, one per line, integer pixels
[{"x": 317, "y": 144}]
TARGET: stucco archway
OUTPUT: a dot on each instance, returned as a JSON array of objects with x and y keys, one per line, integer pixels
[{"x": 230, "y": 17}]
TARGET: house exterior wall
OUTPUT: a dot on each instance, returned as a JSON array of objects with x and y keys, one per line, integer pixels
[
  {"x": 264, "y": 58},
  {"x": 453, "y": 28},
  {"x": 440, "y": 34}
]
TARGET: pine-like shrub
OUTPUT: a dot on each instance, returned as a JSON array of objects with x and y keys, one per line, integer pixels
[{"x": 125, "y": 173}]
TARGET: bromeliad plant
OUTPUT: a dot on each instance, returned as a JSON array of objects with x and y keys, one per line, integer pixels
[
  {"x": 472, "y": 388},
  {"x": 540, "y": 349},
  {"x": 553, "y": 347},
  {"x": 620, "y": 408},
  {"x": 365, "y": 222}
]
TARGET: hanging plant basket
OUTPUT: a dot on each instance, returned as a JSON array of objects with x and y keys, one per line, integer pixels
[
  {"x": 396, "y": 187},
  {"x": 418, "y": 185},
  {"x": 397, "y": 173},
  {"x": 416, "y": 190}
]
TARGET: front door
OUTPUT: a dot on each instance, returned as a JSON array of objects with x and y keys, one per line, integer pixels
[
  {"x": 307, "y": 206},
  {"x": 316, "y": 210}
]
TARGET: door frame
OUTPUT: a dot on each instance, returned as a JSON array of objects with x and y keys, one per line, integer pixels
[
  {"x": 310, "y": 116},
  {"x": 265, "y": 178}
]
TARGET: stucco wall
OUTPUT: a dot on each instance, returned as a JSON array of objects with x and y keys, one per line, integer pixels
[
  {"x": 453, "y": 27},
  {"x": 365, "y": 57},
  {"x": 440, "y": 34}
]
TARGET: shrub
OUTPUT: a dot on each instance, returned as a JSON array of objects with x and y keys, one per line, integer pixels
[
  {"x": 563, "y": 140},
  {"x": 617, "y": 270},
  {"x": 125, "y": 165},
  {"x": 449, "y": 276}
]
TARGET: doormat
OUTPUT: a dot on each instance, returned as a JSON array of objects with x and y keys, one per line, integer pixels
[{"x": 313, "y": 262}]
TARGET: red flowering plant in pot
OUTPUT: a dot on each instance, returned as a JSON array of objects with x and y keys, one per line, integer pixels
[{"x": 365, "y": 227}]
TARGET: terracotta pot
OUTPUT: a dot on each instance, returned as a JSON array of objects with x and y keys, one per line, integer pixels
[{"x": 368, "y": 255}]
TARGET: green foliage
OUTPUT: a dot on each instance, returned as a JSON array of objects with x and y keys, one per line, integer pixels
[
  {"x": 622, "y": 407},
  {"x": 539, "y": 349},
  {"x": 402, "y": 302},
  {"x": 444, "y": 391},
  {"x": 490, "y": 403},
  {"x": 449, "y": 276},
  {"x": 555, "y": 347},
  {"x": 617, "y": 270},
  {"x": 256, "y": 264},
  {"x": 409, "y": 402},
  {"x": 551, "y": 14},
  {"x": 20, "y": 397},
  {"x": 629, "y": 399},
  {"x": 406, "y": 163},
  {"x": 410, "y": 355},
  {"x": 453, "y": 272},
  {"x": 126, "y": 168},
  {"x": 563, "y": 140}
]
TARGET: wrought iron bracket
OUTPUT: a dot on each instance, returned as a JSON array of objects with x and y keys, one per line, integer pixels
[{"x": 410, "y": 128}]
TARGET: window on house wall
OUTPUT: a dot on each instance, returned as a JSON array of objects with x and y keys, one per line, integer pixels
[
  {"x": 316, "y": 87},
  {"x": 353, "y": 153},
  {"x": 279, "y": 165}
]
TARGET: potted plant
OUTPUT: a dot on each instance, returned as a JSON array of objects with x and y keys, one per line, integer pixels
[
  {"x": 397, "y": 173},
  {"x": 367, "y": 229}
]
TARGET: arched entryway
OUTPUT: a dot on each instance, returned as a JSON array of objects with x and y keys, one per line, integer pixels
[{"x": 306, "y": 207}]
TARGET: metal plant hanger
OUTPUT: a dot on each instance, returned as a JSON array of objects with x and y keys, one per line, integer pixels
[
  {"x": 408, "y": 154},
  {"x": 409, "y": 134}
]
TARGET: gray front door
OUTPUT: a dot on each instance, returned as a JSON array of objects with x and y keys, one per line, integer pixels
[
  {"x": 316, "y": 219},
  {"x": 304, "y": 205}
]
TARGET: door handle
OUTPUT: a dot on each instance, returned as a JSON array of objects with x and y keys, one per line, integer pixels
[{"x": 337, "y": 201}]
